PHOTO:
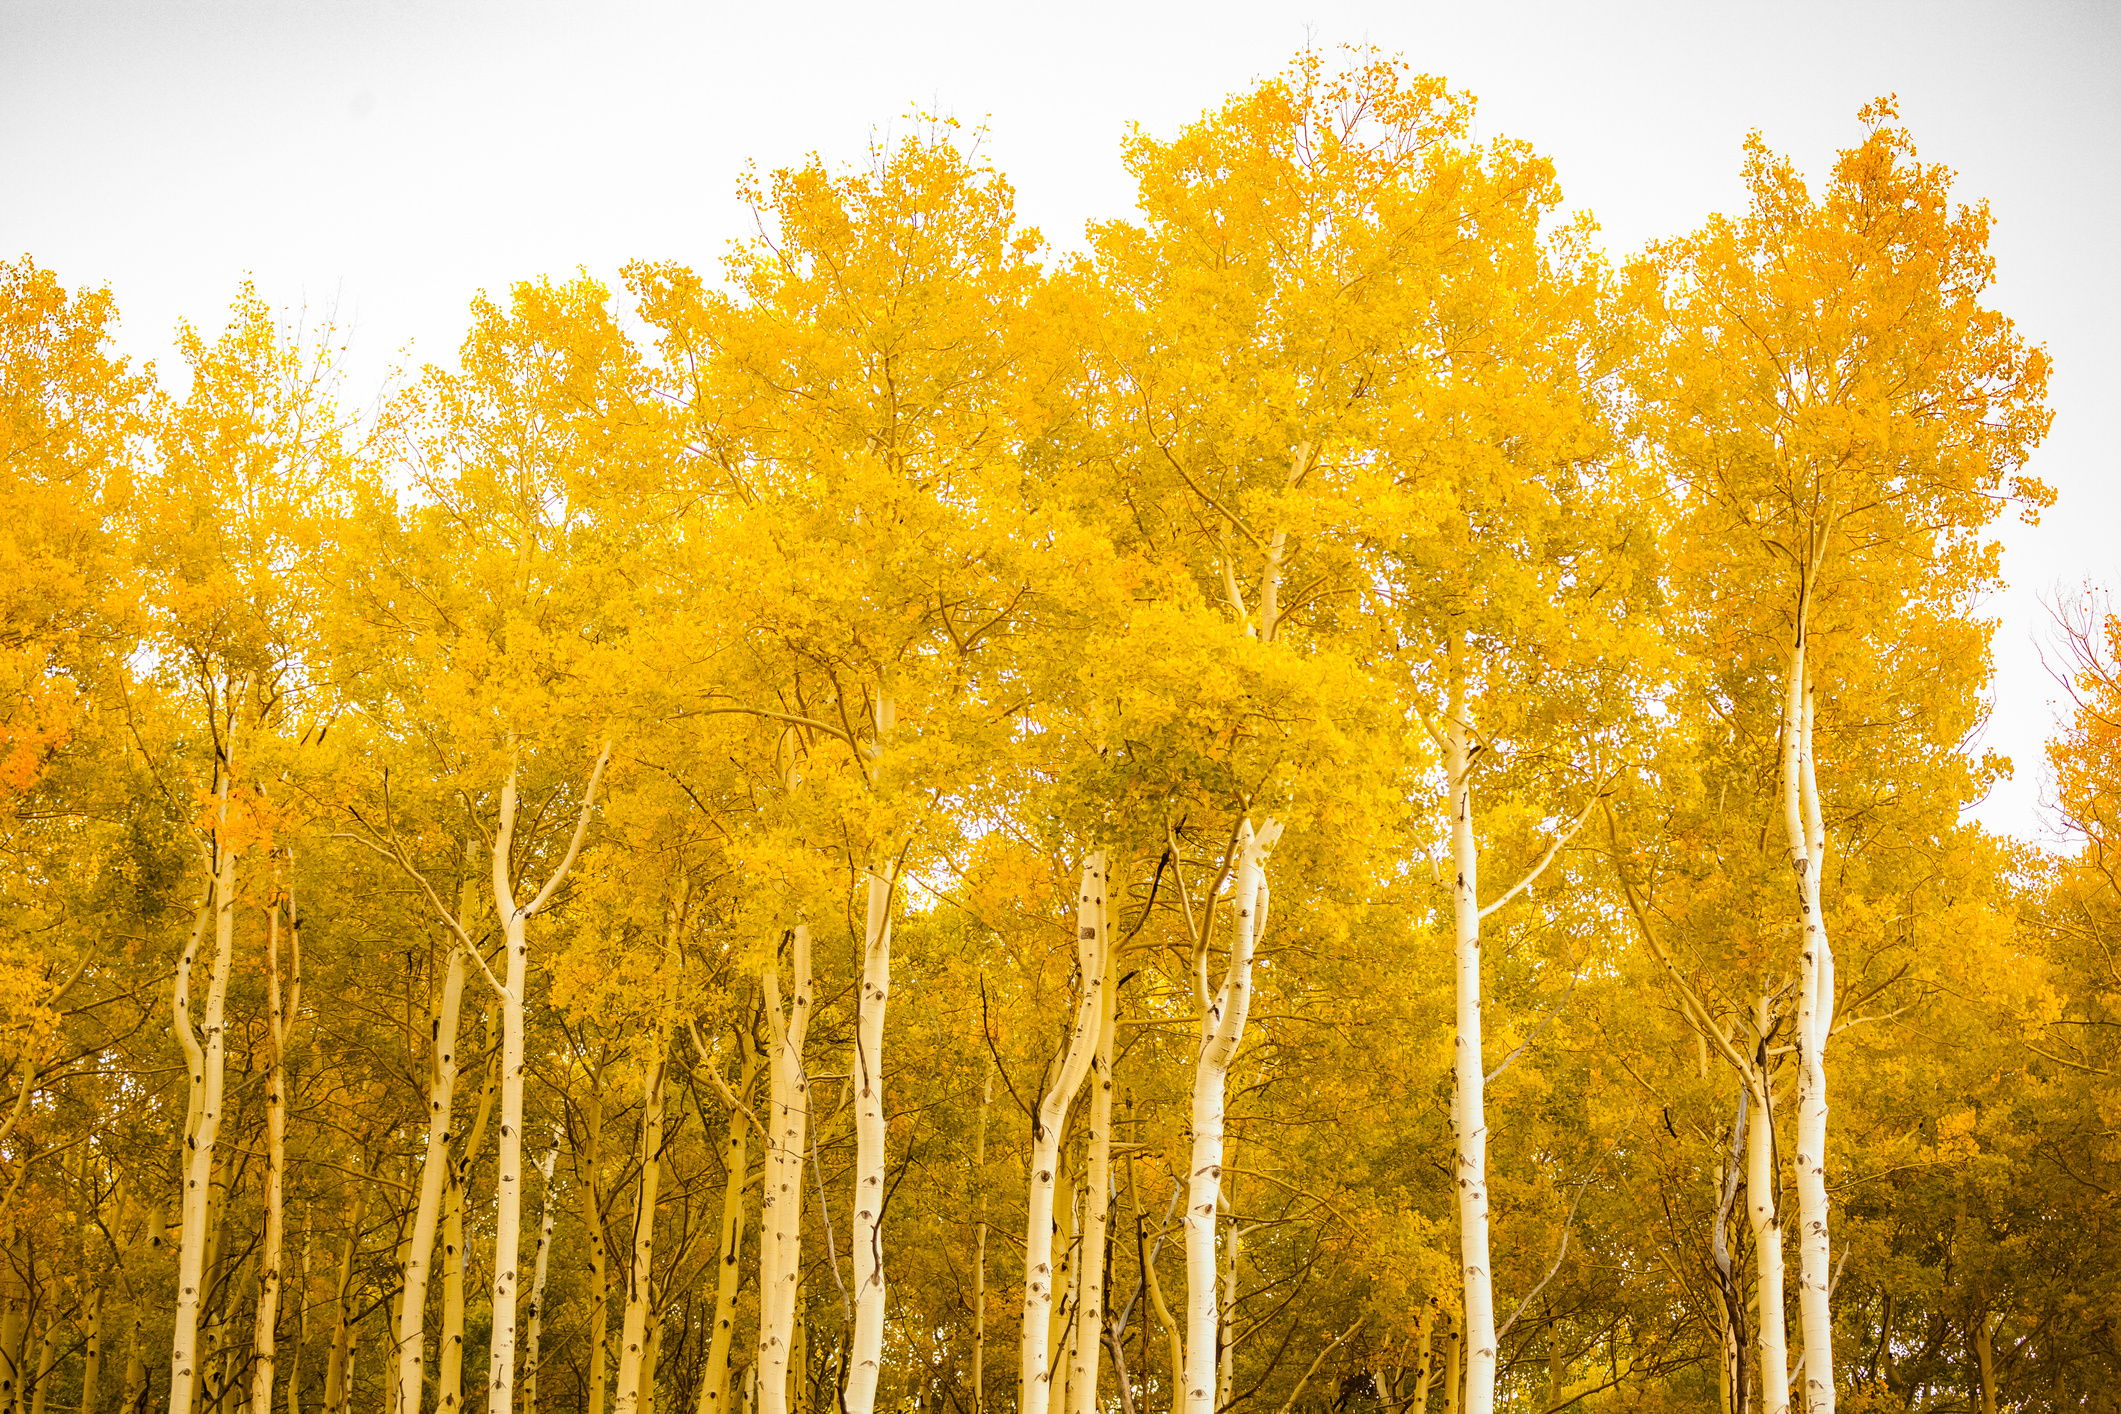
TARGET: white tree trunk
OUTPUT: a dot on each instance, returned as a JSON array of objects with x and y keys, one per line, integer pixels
[
  {"x": 280, "y": 1024},
  {"x": 979, "y": 1249},
  {"x": 781, "y": 1205},
  {"x": 1222, "y": 1028},
  {"x": 865, "y": 1357},
  {"x": 635, "y": 1368},
  {"x": 1097, "y": 1189},
  {"x": 537, "y": 1284},
  {"x": 1764, "y": 1216},
  {"x": 508, "y": 1208},
  {"x": 736, "y": 1166},
  {"x": 1815, "y": 1021},
  {"x": 1034, "y": 1370},
  {"x": 206, "y": 1060},
  {"x": 409, "y": 1376},
  {"x": 1476, "y": 1333}
]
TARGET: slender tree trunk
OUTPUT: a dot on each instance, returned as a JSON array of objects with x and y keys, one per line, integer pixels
[
  {"x": 409, "y": 1376},
  {"x": 280, "y": 1027},
  {"x": 537, "y": 1284},
  {"x": 1815, "y": 1020},
  {"x": 1476, "y": 1333},
  {"x": 1424, "y": 1359},
  {"x": 294, "y": 1366},
  {"x": 1097, "y": 1189},
  {"x": 588, "y": 1161},
  {"x": 1222, "y": 1029},
  {"x": 781, "y": 1205},
  {"x": 14, "y": 1321},
  {"x": 508, "y": 1177},
  {"x": 736, "y": 1170},
  {"x": 92, "y": 1352},
  {"x": 1453, "y": 1371},
  {"x": 1226, "y": 1335},
  {"x": 338, "y": 1374},
  {"x": 47, "y": 1356},
  {"x": 1985, "y": 1360},
  {"x": 204, "y": 1054},
  {"x": 1067, "y": 1271},
  {"x": 865, "y": 1358},
  {"x": 449, "y": 1371},
  {"x": 1763, "y": 1185},
  {"x": 1092, "y": 931},
  {"x": 979, "y": 1248},
  {"x": 634, "y": 1339}
]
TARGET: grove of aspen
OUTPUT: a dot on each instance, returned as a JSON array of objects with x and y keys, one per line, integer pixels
[{"x": 1336, "y": 800}]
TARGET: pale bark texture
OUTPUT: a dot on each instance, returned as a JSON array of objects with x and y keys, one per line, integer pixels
[
  {"x": 338, "y": 1371},
  {"x": 409, "y": 1375},
  {"x": 1424, "y": 1360},
  {"x": 635, "y": 1367},
  {"x": 279, "y": 1025},
  {"x": 1475, "y": 1335},
  {"x": 866, "y": 1355},
  {"x": 1035, "y": 1372},
  {"x": 588, "y": 1159},
  {"x": 449, "y": 1366},
  {"x": 508, "y": 1206},
  {"x": 92, "y": 1352},
  {"x": 204, "y": 1054},
  {"x": 1764, "y": 1215},
  {"x": 728, "y": 1269},
  {"x": 781, "y": 1205},
  {"x": 1815, "y": 1022},
  {"x": 537, "y": 1283},
  {"x": 979, "y": 1248},
  {"x": 1097, "y": 1188},
  {"x": 1222, "y": 1028}
]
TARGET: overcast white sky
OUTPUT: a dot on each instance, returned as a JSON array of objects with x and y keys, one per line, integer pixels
[{"x": 393, "y": 158}]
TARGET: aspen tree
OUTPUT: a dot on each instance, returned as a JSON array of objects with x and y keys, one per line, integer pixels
[
  {"x": 408, "y": 1374},
  {"x": 280, "y": 1021},
  {"x": 1093, "y": 934},
  {"x": 1222, "y": 1029},
  {"x": 1090, "y": 1311},
  {"x": 781, "y": 1202},
  {"x": 1864, "y": 488},
  {"x": 736, "y": 1170},
  {"x": 537, "y": 1280},
  {"x": 865, "y": 1235},
  {"x": 635, "y": 1368}
]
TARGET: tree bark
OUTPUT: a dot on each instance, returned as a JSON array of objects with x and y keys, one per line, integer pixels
[
  {"x": 205, "y": 1058},
  {"x": 781, "y": 1205},
  {"x": 508, "y": 1178},
  {"x": 1092, "y": 931},
  {"x": 634, "y": 1338},
  {"x": 449, "y": 1367},
  {"x": 588, "y": 1159},
  {"x": 1815, "y": 1021},
  {"x": 92, "y": 1352},
  {"x": 1097, "y": 1189},
  {"x": 736, "y": 1171},
  {"x": 408, "y": 1377},
  {"x": 1222, "y": 1029},
  {"x": 537, "y": 1284},
  {"x": 1424, "y": 1359},
  {"x": 1763, "y": 1184},
  {"x": 1476, "y": 1331},
  {"x": 280, "y": 1028},
  {"x": 338, "y": 1373},
  {"x": 865, "y": 1358},
  {"x": 979, "y": 1247}
]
